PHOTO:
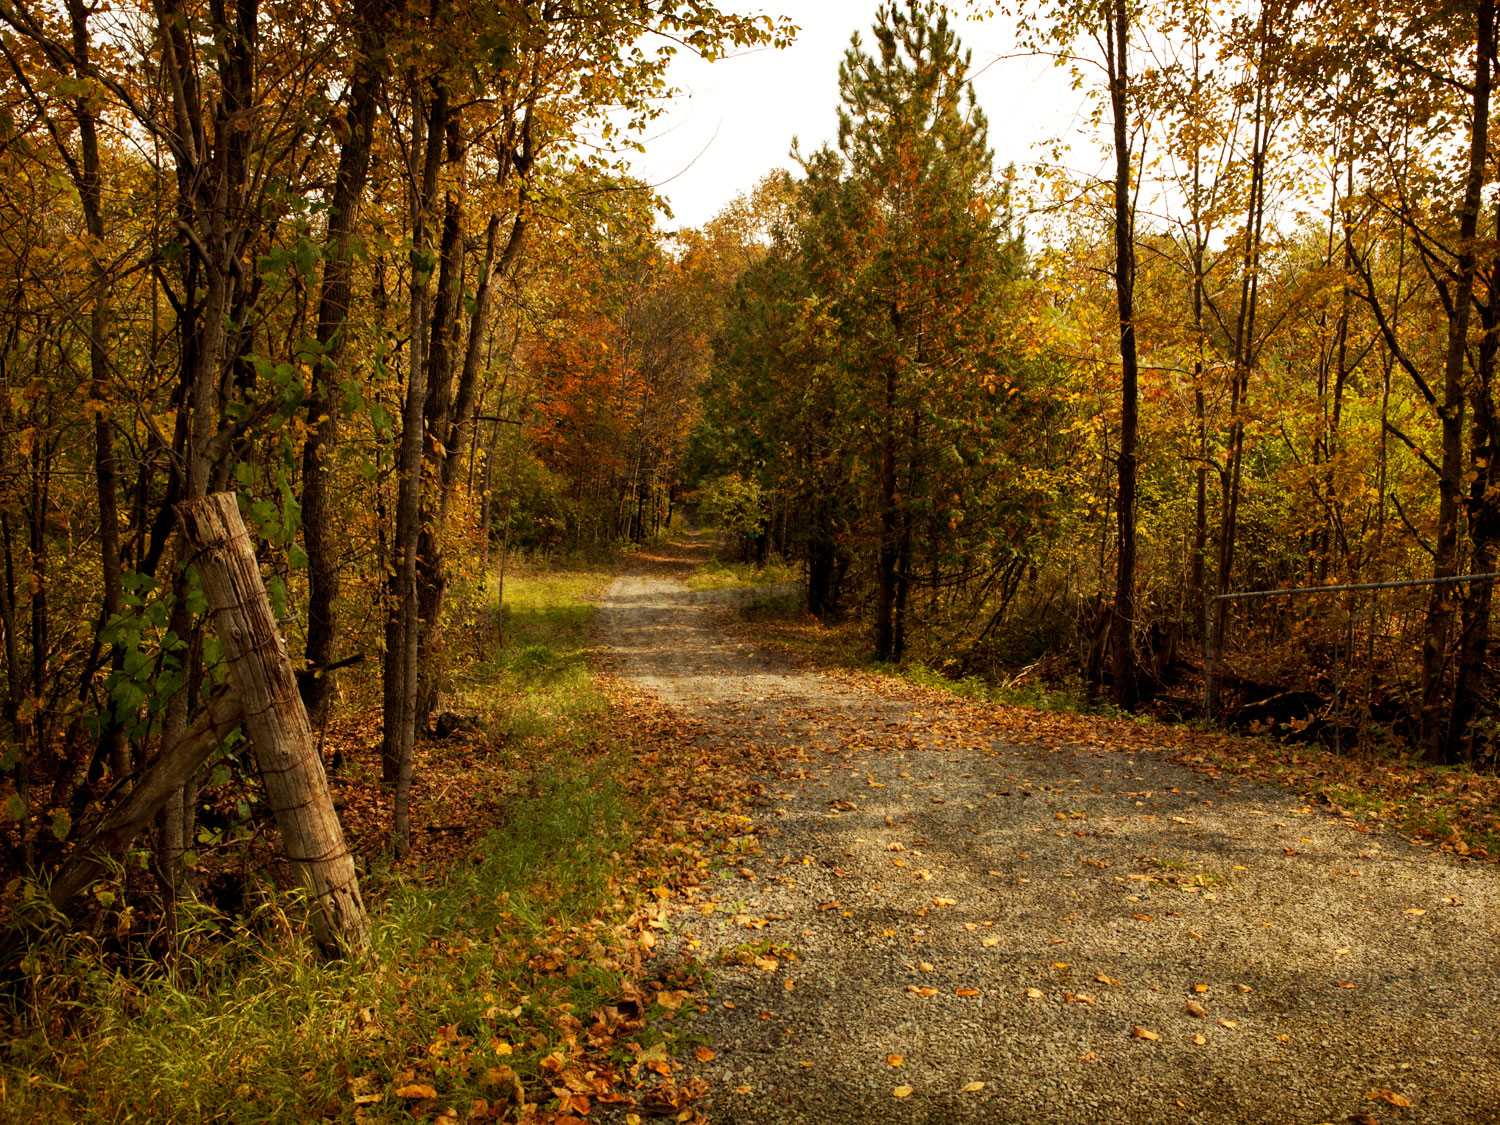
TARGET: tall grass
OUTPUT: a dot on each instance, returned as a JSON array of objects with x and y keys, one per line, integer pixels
[{"x": 249, "y": 1027}]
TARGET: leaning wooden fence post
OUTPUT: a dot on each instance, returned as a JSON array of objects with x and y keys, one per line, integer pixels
[{"x": 275, "y": 720}]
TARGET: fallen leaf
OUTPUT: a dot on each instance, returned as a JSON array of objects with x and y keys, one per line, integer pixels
[
  {"x": 1227, "y": 1023},
  {"x": 1346, "y": 984},
  {"x": 966, "y": 992},
  {"x": 924, "y": 966},
  {"x": 416, "y": 1090},
  {"x": 1199, "y": 1039},
  {"x": 1200, "y": 988},
  {"x": 971, "y": 1087},
  {"x": 1034, "y": 993},
  {"x": 1142, "y": 1033},
  {"x": 1059, "y": 964},
  {"x": 1242, "y": 988},
  {"x": 1415, "y": 911},
  {"x": 990, "y": 942},
  {"x": 923, "y": 991},
  {"x": 1390, "y": 1097},
  {"x": 1102, "y": 979},
  {"x": 703, "y": 1054},
  {"x": 1196, "y": 1009},
  {"x": 1143, "y": 917},
  {"x": 737, "y": 1090},
  {"x": 894, "y": 1060},
  {"x": 901, "y": 1092}
]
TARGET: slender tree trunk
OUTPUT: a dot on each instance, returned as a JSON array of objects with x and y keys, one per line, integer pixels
[
  {"x": 1483, "y": 510},
  {"x": 1433, "y": 733},
  {"x": 1122, "y": 624},
  {"x": 319, "y": 534},
  {"x": 400, "y": 722},
  {"x": 885, "y": 610}
]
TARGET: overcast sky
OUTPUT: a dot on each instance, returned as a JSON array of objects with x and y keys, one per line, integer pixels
[{"x": 736, "y": 118}]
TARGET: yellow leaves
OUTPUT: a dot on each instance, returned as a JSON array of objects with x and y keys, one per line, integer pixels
[
  {"x": 971, "y": 1087},
  {"x": 1103, "y": 978},
  {"x": 1076, "y": 998},
  {"x": 966, "y": 992},
  {"x": 901, "y": 1092},
  {"x": 945, "y": 902},
  {"x": 894, "y": 1060},
  {"x": 1193, "y": 1008},
  {"x": 1199, "y": 1038},
  {"x": 1230, "y": 1024},
  {"x": 1139, "y": 1032},
  {"x": 1035, "y": 993},
  {"x": 1415, "y": 911},
  {"x": 415, "y": 1090},
  {"x": 989, "y": 942},
  {"x": 1390, "y": 1097},
  {"x": 703, "y": 1055},
  {"x": 924, "y": 966},
  {"x": 923, "y": 990}
]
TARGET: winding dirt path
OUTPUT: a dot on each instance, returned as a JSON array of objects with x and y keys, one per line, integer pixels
[{"x": 1049, "y": 921}]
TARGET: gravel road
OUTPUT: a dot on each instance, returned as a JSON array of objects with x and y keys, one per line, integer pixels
[{"x": 1095, "y": 935}]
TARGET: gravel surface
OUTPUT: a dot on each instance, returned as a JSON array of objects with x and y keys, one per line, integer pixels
[{"x": 1050, "y": 921}]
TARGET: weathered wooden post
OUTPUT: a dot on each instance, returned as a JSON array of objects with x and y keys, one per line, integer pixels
[{"x": 275, "y": 720}]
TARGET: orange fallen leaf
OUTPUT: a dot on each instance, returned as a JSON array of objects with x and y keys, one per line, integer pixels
[
  {"x": 894, "y": 1060},
  {"x": 971, "y": 1087},
  {"x": 1196, "y": 1009},
  {"x": 1415, "y": 911},
  {"x": 1228, "y": 1023},
  {"x": 966, "y": 992},
  {"x": 742, "y": 1089},
  {"x": 1390, "y": 1097},
  {"x": 901, "y": 1092},
  {"x": 1034, "y": 993},
  {"x": 1140, "y": 1032},
  {"x": 1102, "y": 979},
  {"x": 416, "y": 1090},
  {"x": 1346, "y": 984},
  {"x": 703, "y": 1054},
  {"x": 1199, "y": 1038}
]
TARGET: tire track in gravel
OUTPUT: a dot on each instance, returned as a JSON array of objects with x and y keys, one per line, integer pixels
[{"x": 909, "y": 856}]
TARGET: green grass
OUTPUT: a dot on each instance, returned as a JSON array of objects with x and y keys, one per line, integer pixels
[
  {"x": 716, "y": 574},
  {"x": 250, "y": 1028}
]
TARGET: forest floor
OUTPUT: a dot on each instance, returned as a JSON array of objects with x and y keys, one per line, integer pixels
[{"x": 955, "y": 911}]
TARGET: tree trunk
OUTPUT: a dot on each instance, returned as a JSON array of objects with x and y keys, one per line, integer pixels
[
  {"x": 1433, "y": 733},
  {"x": 318, "y": 533},
  {"x": 275, "y": 721},
  {"x": 1122, "y": 625},
  {"x": 158, "y": 782}
]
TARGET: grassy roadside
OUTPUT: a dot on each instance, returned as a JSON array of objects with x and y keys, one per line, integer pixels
[
  {"x": 716, "y": 574},
  {"x": 1454, "y": 809},
  {"x": 509, "y": 980}
]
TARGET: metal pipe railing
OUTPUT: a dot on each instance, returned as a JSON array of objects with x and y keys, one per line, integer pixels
[{"x": 1241, "y": 595}]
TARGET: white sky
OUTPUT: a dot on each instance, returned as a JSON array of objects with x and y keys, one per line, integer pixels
[{"x": 736, "y": 117}]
